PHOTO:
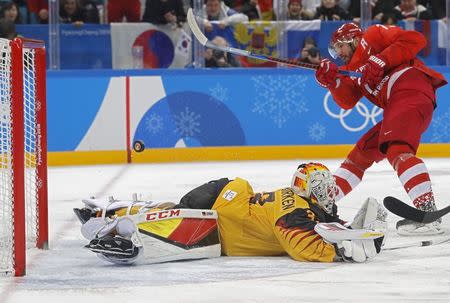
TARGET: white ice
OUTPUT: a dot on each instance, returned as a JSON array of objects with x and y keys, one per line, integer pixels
[{"x": 69, "y": 273}]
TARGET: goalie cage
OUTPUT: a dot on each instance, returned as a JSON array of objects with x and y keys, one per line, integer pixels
[{"x": 23, "y": 152}]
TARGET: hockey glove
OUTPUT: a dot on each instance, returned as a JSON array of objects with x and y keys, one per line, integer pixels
[
  {"x": 358, "y": 250},
  {"x": 327, "y": 74},
  {"x": 373, "y": 73}
]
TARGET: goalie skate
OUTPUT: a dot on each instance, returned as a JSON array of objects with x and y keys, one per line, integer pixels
[{"x": 113, "y": 246}]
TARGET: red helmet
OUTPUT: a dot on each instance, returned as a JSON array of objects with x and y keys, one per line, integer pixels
[{"x": 345, "y": 33}]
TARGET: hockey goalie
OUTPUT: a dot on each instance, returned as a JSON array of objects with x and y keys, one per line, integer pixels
[{"x": 225, "y": 217}]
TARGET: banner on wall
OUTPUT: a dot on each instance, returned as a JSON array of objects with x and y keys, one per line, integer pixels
[{"x": 158, "y": 46}]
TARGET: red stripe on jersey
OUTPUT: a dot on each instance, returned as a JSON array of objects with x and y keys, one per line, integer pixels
[
  {"x": 312, "y": 232},
  {"x": 343, "y": 185},
  {"x": 416, "y": 180},
  {"x": 315, "y": 239}
]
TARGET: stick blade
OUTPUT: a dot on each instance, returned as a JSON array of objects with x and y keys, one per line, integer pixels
[
  {"x": 195, "y": 28},
  {"x": 403, "y": 210}
]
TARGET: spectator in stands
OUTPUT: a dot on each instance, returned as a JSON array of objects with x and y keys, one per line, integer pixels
[
  {"x": 329, "y": 10},
  {"x": 117, "y": 10},
  {"x": 164, "y": 12},
  {"x": 7, "y": 29},
  {"x": 389, "y": 18},
  {"x": 296, "y": 11},
  {"x": 411, "y": 11},
  {"x": 247, "y": 7},
  {"x": 379, "y": 7},
  {"x": 70, "y": 12},
  {"x": 10, "y": 11},
  {"x": 215, "y": 58},
  {"x": 436, "y": 7},
  {"x": 216, "y": 10},
  {"x": 310, "y": 53},
  {"x": 90, "y": 11},
  {"x": 311, "y": 6},
  {"x": 38, "y": 10}
]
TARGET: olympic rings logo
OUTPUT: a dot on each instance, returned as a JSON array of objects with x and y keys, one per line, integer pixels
[{"x": 362, "y": 109}]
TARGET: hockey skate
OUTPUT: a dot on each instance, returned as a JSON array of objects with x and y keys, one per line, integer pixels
[
  {"x": 113, "y": 246},
  {"x": 408, "y": 227}
]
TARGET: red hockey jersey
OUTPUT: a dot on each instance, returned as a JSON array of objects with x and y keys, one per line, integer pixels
[{"x": 398, "y": 48}]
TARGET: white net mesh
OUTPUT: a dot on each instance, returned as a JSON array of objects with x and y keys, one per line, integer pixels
[
  {"x": 7, "y": 79},
  {"x": 29, "y": 89},
  {"x": 6, "y": 196}
]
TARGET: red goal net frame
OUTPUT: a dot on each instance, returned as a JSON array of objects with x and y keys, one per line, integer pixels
[{"x": 23, "y": 145}]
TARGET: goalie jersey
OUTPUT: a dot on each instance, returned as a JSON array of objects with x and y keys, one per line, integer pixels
[{"x": 270, "y": 224}]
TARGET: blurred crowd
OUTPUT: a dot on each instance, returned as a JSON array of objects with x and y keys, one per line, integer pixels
[
  {"x": 174, "y": 11},
  {"x": 223, "y": 12}
]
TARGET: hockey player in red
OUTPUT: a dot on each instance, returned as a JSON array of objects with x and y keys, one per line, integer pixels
[{"x": 398, "y": 82}]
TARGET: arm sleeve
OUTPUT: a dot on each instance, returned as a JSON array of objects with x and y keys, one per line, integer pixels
[
  {"x": 295, "y": 233},
  {"x": 395, "y": 45},
  {"x": 347, "y": 93}
]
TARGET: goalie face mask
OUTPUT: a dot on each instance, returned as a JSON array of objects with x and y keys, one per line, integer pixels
[{"x": 315, "y": 182}]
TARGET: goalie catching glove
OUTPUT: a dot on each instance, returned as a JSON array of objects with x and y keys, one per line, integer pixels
[{"x": 364, "y": 239}]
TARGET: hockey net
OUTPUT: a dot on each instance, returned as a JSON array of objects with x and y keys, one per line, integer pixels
[{"x": 23, "y": 152}]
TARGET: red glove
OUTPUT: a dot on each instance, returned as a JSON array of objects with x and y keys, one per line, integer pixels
[
  {"x": 327, "y": 73},
  {"x": 373, "y": 72}
]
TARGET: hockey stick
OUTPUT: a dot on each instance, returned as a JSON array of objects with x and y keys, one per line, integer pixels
[
  {"x": 240, "y": 52},
  {"x": 418, "y": 244},
  {"x": 403, "y": 210}
]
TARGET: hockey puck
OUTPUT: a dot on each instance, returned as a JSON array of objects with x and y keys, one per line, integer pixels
[{"x": 138, "y": 146}]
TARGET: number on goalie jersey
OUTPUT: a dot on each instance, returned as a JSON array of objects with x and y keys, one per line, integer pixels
[{"x": 274, "y": 223}]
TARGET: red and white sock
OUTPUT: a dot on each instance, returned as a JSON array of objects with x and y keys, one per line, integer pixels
[
  {"x": 413, "y": 174},
  {"x": 347, "y": 176}
]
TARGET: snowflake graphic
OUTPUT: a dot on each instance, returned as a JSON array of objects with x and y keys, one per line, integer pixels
[
  {"x": 154, "y": 124},
  {"x": 441, "y": 128},
  {"x": 279, "y": 97},
  {"x": 317, "y": 132},
  {"x": 187, "y": 123},
  {"x": 219, "y": 92}
]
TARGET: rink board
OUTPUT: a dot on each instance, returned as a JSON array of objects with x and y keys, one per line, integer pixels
[{"x": 192, "y": 115}]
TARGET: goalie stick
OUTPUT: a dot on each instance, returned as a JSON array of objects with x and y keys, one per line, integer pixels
[
  {"x": 240, "y": 52},
  {"x": 403, "y": 210},
  {"x": 418, "y": 244}
]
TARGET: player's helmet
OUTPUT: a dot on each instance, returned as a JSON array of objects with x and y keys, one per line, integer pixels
[
  {"x": 314, "y": 181},
  {"x": 344, "y": 34}
]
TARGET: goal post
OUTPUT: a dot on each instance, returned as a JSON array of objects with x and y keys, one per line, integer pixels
[{"x": 23, "y": 150}]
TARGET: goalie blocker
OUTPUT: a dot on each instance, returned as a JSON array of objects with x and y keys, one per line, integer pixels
[{"x": 154, "y": 236}]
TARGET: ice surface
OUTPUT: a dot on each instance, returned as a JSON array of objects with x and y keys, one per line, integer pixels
[{"x": 68, "y": 273}]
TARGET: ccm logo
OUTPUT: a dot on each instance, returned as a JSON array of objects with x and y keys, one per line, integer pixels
[{"x": 163, "y": 214}]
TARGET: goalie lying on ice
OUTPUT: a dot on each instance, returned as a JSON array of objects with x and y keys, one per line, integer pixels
[{"x": 300, "y": 220}]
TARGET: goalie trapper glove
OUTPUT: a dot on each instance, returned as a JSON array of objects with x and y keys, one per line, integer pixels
[
  {"x": 113, "y": 246},
  {"x": 358, "y": 250},
  {"x": 327, "y": 74}
]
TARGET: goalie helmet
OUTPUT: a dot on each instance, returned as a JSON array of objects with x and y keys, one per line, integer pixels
[
  {"x": 314, "y": 181},
  {"x": 344, "y": 34}
]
